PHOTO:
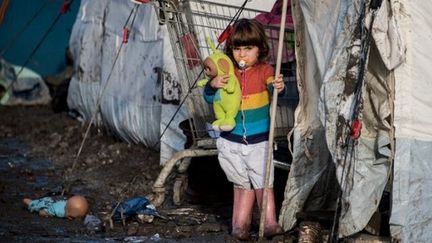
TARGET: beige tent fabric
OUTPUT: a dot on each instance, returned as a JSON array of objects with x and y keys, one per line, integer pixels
[
  {"x": 328, "y": 57},
  {"x": 412, "y": 188},
  {"x": 413, "y": 111},
  {"x": 311, "y": 156}
]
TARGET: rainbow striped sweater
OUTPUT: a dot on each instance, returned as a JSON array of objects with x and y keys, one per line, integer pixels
[{"x": 253, "y": 119}]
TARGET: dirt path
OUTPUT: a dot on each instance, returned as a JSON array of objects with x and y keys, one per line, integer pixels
[{"x": 37, "y": 146}]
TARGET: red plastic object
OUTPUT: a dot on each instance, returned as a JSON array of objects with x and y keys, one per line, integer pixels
[
  {"x": 355, "y": 129},
  {"x": 125, "y": 34},
  {"x": 225, "y": 34},
  {"x": 65, "y": 7},
  {"x": 189, "y": 45},
  {"x": 140, "y": 1}
]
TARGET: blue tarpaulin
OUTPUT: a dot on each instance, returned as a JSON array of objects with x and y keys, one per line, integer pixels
[{"x": 50, "y": 56}]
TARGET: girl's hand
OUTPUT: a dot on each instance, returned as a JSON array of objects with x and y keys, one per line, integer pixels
[
  {"x": 279, "y": 84},
  {"x": 219, "y": 81}
]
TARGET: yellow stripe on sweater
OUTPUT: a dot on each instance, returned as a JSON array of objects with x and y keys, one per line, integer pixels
[
  {"x": 255, "y": 100},
  {"x": 270, "y": 79}
]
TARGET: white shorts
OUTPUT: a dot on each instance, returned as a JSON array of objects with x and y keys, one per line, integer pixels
[{"x": 244, "y": 165}]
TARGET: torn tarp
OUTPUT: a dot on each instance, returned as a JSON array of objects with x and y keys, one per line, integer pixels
[{"x": 21, "y": 86}]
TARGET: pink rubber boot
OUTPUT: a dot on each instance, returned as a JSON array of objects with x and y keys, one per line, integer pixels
[
  {"x": 242, "y": 213},
  {"x": 271, "y": 227}
]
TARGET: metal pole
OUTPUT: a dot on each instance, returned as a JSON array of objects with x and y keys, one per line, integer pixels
[{"x": 272, "y": 121}]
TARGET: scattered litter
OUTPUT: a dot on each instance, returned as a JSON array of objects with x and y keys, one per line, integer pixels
[
  {"x": 144, "y": 218},
  {"x": 187, "y": 216},
  {"x": 155, "y": 237},
  {"x": 135, "y": 239},
  {"x": 92, "y": 223},
  {"x": 139, "y": 207},
  {"x": 74, "y": 207}
]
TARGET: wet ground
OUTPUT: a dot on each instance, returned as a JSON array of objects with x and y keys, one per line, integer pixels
[{"x": 37, "y": 150}]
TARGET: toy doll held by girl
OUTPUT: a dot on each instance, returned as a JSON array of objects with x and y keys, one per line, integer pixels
[{"x": 242, "y": 152}]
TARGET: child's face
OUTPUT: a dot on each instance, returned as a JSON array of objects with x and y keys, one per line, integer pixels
[{"x": 247, "y": 54}]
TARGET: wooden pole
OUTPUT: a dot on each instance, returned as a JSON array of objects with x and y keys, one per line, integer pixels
[{"x": 272, "y": 121}]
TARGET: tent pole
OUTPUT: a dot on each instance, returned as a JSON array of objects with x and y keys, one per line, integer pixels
[{"x": 272, "y": 121}]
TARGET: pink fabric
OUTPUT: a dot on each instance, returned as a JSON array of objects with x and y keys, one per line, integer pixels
[
  {"x": 275, "y": 14},
  {"x": 190, "y": 50},
  {"x": 271, "y": 22}
]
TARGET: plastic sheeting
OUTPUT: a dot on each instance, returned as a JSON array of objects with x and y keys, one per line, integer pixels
[
  {"x": 412, "y": 187},
  {"x": 128, "y": 82},
  {"x": 398, "y": 76},
  {"x": 412, "y": 191},
  {"x": 31, "y": 35},
  {"x": 311, "y": 158},
  {"x": 328, "y": 54},
  {"x": 413, "y": 111},
  {"x": 21, "y": 86}
]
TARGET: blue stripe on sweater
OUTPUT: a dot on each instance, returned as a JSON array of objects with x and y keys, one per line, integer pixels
[{"x": 252, "y": 128}]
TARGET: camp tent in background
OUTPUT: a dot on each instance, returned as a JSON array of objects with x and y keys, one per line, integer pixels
[
  {"x": 34, "y": 40},
  {"x": 396, "y": 114},
  {"x": 24, "y": 25}
]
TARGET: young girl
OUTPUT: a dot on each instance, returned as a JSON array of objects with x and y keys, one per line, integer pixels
[{"x": 243, "y": 151}]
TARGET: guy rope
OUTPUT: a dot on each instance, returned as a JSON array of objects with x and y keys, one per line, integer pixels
[{"x": 350, "y": 129}]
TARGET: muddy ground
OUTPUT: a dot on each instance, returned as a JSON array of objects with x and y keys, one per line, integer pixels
[{"x": 38, "y": 147}]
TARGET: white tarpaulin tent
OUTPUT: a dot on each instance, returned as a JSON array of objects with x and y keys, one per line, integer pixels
[
  {"x": 395, "y": 114},
  {"x": 128, "y": 84},
  {"x": 135, "y": 85}
]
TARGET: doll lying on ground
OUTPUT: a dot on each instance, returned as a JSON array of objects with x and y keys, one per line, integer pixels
[{"x": 74, "y": 207}]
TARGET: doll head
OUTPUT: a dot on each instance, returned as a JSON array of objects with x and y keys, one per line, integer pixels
[
  {"x": 76, "y": 207},
  {"x": 217, "y": 63},
  {"x": 210, "y": 68}
]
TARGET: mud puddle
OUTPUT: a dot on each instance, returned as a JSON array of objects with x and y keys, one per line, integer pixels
[{"x": 37, "y": 146}]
